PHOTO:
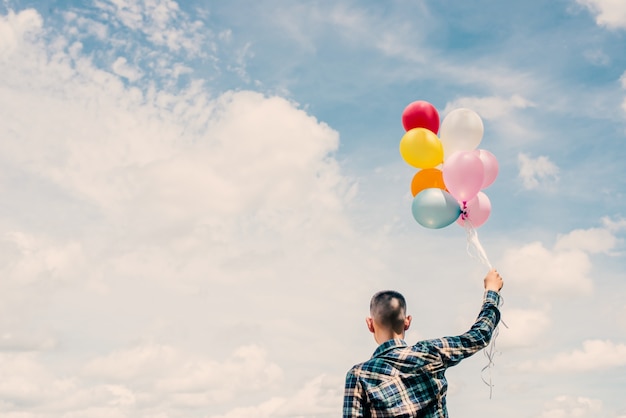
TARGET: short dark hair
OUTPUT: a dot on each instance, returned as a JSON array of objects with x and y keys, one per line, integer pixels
[{"x": 388, "y": 308}]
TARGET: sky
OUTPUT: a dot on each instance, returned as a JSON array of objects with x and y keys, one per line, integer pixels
[{"x": 198, "y": 200}]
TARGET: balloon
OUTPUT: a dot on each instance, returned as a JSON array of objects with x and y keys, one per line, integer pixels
[
  {"x": 476, "y": 211},
  {"x": 461, "y": 130},
  {"x": 490, "y": 165},
  {"x": 426, "y": 179},
  {"x": 420, "y": 114},
  {"x": 435, "y": 208},
  {"x": 463, "y": 174},
  {"x": 421, "y": 148}
]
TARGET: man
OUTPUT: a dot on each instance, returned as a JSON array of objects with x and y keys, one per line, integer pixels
[{"x": 409, "y": 381}]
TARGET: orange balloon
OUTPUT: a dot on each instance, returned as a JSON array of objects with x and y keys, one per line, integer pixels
[{"x": 428, "y": 178}]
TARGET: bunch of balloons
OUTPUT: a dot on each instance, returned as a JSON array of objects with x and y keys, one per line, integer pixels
[{"x": 452, "y": 171}]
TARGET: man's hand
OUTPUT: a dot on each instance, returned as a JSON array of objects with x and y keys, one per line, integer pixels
[{"x": 493, "y": 281}]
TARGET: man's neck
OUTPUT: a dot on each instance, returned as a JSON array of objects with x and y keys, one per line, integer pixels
[{"x": 383, "y": 336}]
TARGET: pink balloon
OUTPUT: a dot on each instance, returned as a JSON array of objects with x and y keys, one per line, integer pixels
[
  {"x": 476, "y": 211},
  {"x": 490, "y": 165},
  {"x": 463, "y": 175},
  {"x": 420, "y": 114}
]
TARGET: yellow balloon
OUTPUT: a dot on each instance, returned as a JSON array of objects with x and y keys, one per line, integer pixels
[{"x": 421, "y": 148}]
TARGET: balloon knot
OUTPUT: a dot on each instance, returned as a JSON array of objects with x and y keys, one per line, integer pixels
[{"x": 464, "y": 214}]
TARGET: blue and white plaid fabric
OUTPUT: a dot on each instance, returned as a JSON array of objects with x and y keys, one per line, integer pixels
[{"x": 408, "y": 381}]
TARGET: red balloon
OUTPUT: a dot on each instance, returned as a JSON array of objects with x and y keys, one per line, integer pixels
[{"x": 420, "y": 114}]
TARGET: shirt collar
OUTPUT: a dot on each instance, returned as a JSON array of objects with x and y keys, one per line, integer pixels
[{"x": 388, "y": 345}]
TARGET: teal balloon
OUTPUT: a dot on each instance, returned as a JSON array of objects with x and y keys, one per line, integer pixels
[{"x": 435, "y": 208}]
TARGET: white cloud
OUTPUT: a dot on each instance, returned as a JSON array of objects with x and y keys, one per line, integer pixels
[
  {"x": 138, "y": 164},
  {"x": 597, "y": 57},
  {"x": 536, "y": 171},
  {"x": 266, "y": 409},
  {"x": 595, "y": 355},
  {"x": 31, "y": 389},
  {"x": 573, "y": 407},
  {"x": 138, "y": 380},
  {"x": 609, "y": 13},
  {"x": 162, "y": 22},
  {"x": 33, "y": 258},
  {"x": 544, "y": 273},
  {"x": 185, "y": 379},
  {"x": 524, "y": 327},
  {"x": 504, "y": 113},
  {"x": 129, "y": 204},
  {"x": 614, "y": 225},
  {"x": 121, "y": 68},
  {"x": 16, "y": 29},
  {"x": 320, "y": 397},
  {"x": 89, "y": 27},
  {"x": 593, "y": 240},
  {"x": 248, "y": 367},
  {"x": 490, "y": 107},
  {"x": 540, "y": 271},
  {"x": 622, "y": 80},
  {"x": 26, "y": 381},
  {"x": 11, "y": 342},
  {"x": 160, "y": 158},
  {"x": 127, "y": 364}
]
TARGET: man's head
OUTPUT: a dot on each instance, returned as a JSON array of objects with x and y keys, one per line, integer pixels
[{"x": 388, "y": 317}]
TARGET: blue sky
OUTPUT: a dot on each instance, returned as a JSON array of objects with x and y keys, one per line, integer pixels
[{"x": 200, "y": 198}]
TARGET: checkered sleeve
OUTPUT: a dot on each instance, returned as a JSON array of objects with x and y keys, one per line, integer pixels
[
  {"x": 454, "y": 349},
  {"x": 353, "y": 397}
]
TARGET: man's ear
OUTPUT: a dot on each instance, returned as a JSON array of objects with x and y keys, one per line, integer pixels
[
  {"x": 407, "y": 322},
  {"x": 370, "y": 323}
]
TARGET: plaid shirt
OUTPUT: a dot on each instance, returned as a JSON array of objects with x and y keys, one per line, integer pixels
[{"x": 403, "y": 381}]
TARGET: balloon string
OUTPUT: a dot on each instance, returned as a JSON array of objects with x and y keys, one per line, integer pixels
[
  {"x": 490, "y": 353},
  {"x": 476, "y": 250},
  {"x": 474, "y": 247}
]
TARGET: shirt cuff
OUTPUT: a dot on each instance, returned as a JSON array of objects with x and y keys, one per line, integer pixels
[{"x": 492, "y": 297}]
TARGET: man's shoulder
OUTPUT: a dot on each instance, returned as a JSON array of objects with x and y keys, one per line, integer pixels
[
  {"x": 392, "y": 359},
  {"x": 365, "y": 365},
  {"x": 373, "y": 365}
]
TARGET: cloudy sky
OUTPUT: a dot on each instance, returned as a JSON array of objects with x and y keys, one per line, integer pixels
[{"x": 199, "y": 198}]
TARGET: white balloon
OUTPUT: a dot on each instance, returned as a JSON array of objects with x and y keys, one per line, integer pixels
[{"x": 461, "y": 130}]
